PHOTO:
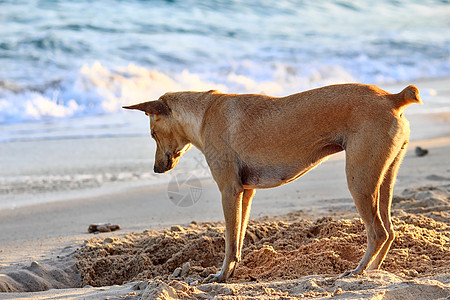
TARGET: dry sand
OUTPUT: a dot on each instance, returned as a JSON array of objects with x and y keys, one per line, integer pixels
[
  {"x": 285, "y": 257},
  {"x": 301, "y": 237}
]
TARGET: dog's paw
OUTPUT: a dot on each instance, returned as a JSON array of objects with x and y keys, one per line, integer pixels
[
  {"x": 218, "y": 277},
  {"x": 352, "y": 273}
]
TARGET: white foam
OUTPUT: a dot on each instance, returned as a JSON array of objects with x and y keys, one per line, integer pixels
[{"x": 130, "y": 84}]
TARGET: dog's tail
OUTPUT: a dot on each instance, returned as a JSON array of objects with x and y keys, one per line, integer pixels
[{"x": 409, "y": 95}]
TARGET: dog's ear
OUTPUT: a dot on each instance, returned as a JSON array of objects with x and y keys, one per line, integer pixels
[{"x": 151, "y": 107}]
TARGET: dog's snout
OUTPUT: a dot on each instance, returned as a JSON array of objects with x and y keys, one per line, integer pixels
[
  {"x": 164, "y": 165},
  {"x": 157, "y": 169}
]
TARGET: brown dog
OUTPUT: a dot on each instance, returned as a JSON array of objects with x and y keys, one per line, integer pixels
[{"x": 255, "y": 141}]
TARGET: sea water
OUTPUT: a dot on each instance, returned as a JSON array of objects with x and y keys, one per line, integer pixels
[{"x": 65, "y": 60}]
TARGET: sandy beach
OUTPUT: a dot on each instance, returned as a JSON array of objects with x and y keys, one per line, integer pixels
[{"x": 301, "y": 238}]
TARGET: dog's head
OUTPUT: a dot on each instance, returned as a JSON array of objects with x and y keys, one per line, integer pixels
[{"x": 170, "y": 141}]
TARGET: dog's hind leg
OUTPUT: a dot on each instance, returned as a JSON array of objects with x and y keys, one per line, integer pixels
[
  {"x": 386, "y": 192},
  {"x": 366, "y": 164}
]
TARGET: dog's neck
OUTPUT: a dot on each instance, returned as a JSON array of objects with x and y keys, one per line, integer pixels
[{"x": 189, "y": 114}]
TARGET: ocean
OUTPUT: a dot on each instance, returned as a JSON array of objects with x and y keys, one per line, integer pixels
[{"x": 67, "y": 67}]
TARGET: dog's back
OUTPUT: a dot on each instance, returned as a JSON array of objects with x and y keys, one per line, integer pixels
[{"x": 305, "y": 127}]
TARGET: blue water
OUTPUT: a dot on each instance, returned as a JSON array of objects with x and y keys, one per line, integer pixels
[{"x": 81, "y": 59}]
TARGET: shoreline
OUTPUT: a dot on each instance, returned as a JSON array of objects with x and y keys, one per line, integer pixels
[{"x": 68, "y": 178}]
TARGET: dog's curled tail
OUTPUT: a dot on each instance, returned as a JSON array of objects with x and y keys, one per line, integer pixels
[{"x": 409, "y": 95}]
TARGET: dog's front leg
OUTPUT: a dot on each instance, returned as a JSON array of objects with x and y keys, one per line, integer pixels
[{"x": 232, "y": 209}]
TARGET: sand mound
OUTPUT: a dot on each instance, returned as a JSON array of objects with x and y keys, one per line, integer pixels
[
  {"x": 279, "y": 250},
  {"x": 272, "y": 251},
  {"x": 41, "y": 276},
  {"x": 429, "y": 201}
]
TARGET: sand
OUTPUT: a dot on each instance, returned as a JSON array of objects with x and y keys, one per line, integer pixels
[
  {"x": 301, "y": 238},
  {"x": 284, "y": 257},
  {"x": 283, "y": 247}
]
